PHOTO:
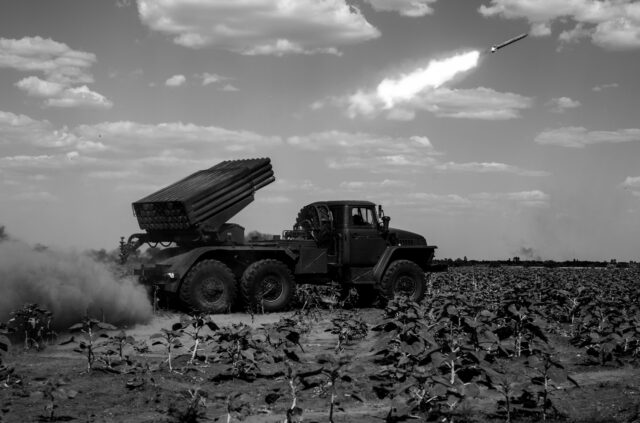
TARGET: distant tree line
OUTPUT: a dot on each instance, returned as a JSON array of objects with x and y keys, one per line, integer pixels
[{"x": 517, "y": 261}]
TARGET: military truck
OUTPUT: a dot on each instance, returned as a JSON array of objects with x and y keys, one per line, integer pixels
[{"x": 207, "y": 263}]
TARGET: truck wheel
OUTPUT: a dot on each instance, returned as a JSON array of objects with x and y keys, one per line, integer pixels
[
  {"x": 209, "y": 287},
  {"x": 403, "y": 277},
  {"x": 268, "y": 284}
]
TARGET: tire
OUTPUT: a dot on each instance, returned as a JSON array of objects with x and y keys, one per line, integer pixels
[
  {"x": 403, "y": 277},
  {"x": 209, "y": 287},
  {"x": 268, "y": 285}
]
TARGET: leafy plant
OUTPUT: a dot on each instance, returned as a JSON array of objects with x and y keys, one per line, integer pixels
[
  {"x": 92, "y": 330},
  {"x": 170, "y": 339},
  {"x": 294, "y": 413},
  {"x": 547, "y": 374},
  {"x": 337, "y": 371},
  {"x": 192, "y": 326},
  {"x": 349, "y": 327},
  {"x": 53, "y": 391},
  {"x": 193, "y": 407},
  {"x": 34, "y": 323}
]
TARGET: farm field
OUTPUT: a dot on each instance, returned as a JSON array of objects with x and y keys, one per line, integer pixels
[{"x": 486, "y": 344}]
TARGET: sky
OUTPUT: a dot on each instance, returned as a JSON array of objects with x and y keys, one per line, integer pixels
[{"x": 532, "y": 151}]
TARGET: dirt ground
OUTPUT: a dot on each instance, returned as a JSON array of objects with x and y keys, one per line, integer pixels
[{"x": 606, "y": 394}]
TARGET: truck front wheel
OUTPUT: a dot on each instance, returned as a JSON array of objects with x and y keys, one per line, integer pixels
[
  {"x": 403, "y": 277},
  {"x": 268, "y": 285},
  {"x": 209, "y": 287}
]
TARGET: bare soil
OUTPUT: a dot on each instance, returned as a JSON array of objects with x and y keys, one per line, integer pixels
[{"x": 606, "y": 393}]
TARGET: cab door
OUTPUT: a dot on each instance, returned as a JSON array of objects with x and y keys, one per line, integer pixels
[{"x": 365, "y": 243}]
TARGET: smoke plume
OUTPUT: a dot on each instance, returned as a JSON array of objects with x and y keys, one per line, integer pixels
[
  {"x": 68, "y": 284},
  {"x": 438, "y": 72},
  {"x": 392, "y": 94}
]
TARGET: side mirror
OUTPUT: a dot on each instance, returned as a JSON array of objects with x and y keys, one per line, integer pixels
[{"x": 385, "y": 223}]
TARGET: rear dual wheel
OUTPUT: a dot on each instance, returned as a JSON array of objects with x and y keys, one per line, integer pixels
[
  {"x": 268, "y": 285},
  {"x": 209, "y": 287}
]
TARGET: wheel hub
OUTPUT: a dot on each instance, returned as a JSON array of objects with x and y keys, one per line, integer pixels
[
  {"x": 212, "y": 290},
  {"x": 406, "y": 285},
  {"x": 271, "y": 288}
]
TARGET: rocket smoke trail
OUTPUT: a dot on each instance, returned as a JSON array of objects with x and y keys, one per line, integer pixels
[
  {"x": 392, "y": 92},
  {"x": 434, "y": 75},
  {"x": 69, "y": 285}
]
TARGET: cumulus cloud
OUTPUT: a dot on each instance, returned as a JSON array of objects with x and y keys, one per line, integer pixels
[
  {"x": 632, "y": 184},
  {"x": 259, "y": 27},
  {"x": 474, "y": 103},
  {"x": 361, "y": 186},
  {"x": 488, "y": 167},
  {"x": 486, "y": 202},
  {"x": 603, "y": 87},
  {"x": 175, "y": 81},
  {"x": 23, "y": 130},
  {"x": 379, "y": 154},
  {"x": 37, "y": 87},
  {"x": 218, "y": 81},
  {"x": 174, "y": 135},
  {"x": 78, "y": 97},
  {"x": 229, "y": 88},
  {"x": 63, "y": 69},
  {"x": 409, "y": 8},
  {"x": 613, "y": 25},
  {"x": 578, "y": 137},
  {"x": 560, "y": 104},
  {"x": 211, "y": 78},
  {"x": 55, "y": 60}
]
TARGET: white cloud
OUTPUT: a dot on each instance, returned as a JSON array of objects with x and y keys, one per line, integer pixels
[
  {"x": 603, "y": 87},
  {"x": 488, "y": 167},
  {"x": 211, "y": 78},
  {"x": 474, "y": 103},
  {"x": 62, "y": 67},
  {"x": 361, "y": 186},
  {"x": 35, "y": 196},
  {"x": 229, "y": 88},
  {"x": 259, "y": 26},
  {"x": 367, "y": 151},
  {"x": 182, "y": 139},
  {"x": 79, "y": 97},
  {"x": 578, "y": 137},
  {"x": 485, "y": 202},
  {"x": 613, "y": 25},
  {"x": 23, "y": 130},
  {"x": 55, "y": 60},
  {"x": 535, "y": 198},
  {"x": 175, "y": 81},
  {"x": 632, "y": 182},
  {"x": 379, "y": 154},
  {"x": 37, "y": 87},
  {"x": 560, "y": 104},
  {"x": 410, "y": 8}
]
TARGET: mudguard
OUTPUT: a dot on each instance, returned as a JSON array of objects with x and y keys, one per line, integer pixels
[{"x": 419, "y": 254}]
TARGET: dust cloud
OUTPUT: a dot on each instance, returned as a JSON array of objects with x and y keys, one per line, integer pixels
[{"x": 68, "y": 284}]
